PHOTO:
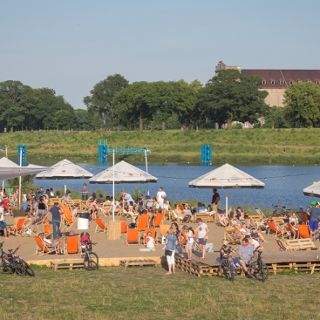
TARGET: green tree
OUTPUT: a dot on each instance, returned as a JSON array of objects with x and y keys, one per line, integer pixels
[
  {"x": 275, "y": 118},
  {"x": 100, "y": 100},
  {"x": 302, "y": 104},
  {"x": 230, "y": 96}
]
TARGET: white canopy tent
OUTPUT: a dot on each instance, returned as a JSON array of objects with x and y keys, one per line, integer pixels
[
  {"x": 226, "y": 177},
  {"x": 64, "y": 169},
  {"x": 122, "y": 172},
  {"x": 313, "y": 190}
]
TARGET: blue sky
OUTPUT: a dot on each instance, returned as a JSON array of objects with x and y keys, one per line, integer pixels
[{"x": 69, "y": 45}]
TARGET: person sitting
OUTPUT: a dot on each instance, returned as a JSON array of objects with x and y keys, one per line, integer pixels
[
  {"x": 150, "y": 242},
  {"x": 223, "y": 220},
  {"x": 3, "y": 224},
  {"x": 246, "y": 252}
]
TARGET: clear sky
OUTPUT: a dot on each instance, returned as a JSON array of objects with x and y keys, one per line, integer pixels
[{"x": 69, "y": 45}]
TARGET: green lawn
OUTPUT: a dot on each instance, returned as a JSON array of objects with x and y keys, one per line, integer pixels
[{"x": 147, "y": 293}]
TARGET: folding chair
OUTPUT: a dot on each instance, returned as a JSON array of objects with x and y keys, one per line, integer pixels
[
  {"x": 45, "y": 248},
  {"x": 72, "y": 244},
  {"x": 100, "y": 225},
  {"x": 18, "y": 228},
  {"x": 67, "y": 218},
  {"x": 303, "y": 231},
  {"x": 132, "y": 236},
  {"x": 158, "y": 219}
]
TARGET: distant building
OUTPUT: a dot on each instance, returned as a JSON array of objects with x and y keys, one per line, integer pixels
[{"x": 275, "y": 81}]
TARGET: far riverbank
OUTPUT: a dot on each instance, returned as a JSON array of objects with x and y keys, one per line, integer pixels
[{"x": 236, "y": 146}]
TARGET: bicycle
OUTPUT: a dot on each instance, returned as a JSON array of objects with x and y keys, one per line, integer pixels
[
  {"x": 257, "y": 268},
  {"x": 12, "y": 263},
  {"x": 91, "y": 259},
  {"x": 228, "y": 268}
]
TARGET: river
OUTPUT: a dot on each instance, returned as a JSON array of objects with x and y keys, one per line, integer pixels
[{"x": 284, "y": 184}]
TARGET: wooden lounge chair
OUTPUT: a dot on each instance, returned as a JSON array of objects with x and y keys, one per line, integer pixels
[
  {"x": 132, "y": 236},
  {"x": 72, "y": 245},
  {"x": 19, "y": 227},
  {"x": 44, "y": 248},
  {"x": 124, "y": 226},
  {"x": 303, "y": 231},
  {"x": 100, "y": 225},
  {"x": 158, "y": 219},
  {"x": 67, "y": 217},
  {"x": 47, "y": 228},
  {"x": 275, "y": 228},
  {"x": 142, "y": 222}
]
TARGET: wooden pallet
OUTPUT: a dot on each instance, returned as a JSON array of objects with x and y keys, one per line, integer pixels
[
  {"x": 65, "y": 264},
  {"x": 196, "y": 268},
  {"x": 137, "y": 262},
  {"x": 300, "y": 244},
  {"x": 312, "y": 266}
]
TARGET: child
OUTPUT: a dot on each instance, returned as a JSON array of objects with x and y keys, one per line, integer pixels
[
  {"x": 190, "y": 241},
  {"x": 150, "y": 242}
]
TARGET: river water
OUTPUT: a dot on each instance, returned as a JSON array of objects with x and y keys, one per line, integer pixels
[{"x": 284, "y": 184}]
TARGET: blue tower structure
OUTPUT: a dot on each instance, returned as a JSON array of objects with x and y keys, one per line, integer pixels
[
  {"x": 103, "y": 152},
  {"x": 22, "y": 151},
  {"x": 206, "y": 154}
]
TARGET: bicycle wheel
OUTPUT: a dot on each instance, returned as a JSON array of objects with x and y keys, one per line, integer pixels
[
  {"x": 27, "y": 269},
  {"x": 18, "y": 268},
  {"x": 91, "y": 261},
  {"x": 261, "y": 274}
]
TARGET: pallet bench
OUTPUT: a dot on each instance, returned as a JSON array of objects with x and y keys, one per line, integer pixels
[
  {"x": 137, "y": 262},
  {"x": 67, "y": 265}
]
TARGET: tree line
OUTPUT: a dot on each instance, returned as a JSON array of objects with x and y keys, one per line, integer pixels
[{"x": 116, "y": 104}]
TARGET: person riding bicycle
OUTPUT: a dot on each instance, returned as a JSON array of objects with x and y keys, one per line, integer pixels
[{"x": 85, "y": 241}]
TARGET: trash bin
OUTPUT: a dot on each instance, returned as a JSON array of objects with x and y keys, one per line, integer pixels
[{"x": 83, "y": 221}]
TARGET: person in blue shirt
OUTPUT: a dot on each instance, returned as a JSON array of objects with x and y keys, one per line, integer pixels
[{"x": 171, "y": 242}]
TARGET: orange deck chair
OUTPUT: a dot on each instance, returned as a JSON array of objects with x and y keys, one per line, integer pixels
[
  {"x": 47, "y": 228},
  {"x": 124, "y": 226},
  {"x": 100, "y": 225},
  {"x": 67, "y": 217},
  {"x": 274, "y": 228},
  {"x": 142, "y": 222},
  {"x": 303, "y": 231},
  {"x": 132, "y": 236},
  {"x": 158, "y": 219},
  {"x": 43, "y": 248},
  {"x": 18, "y": 227},
  {"x": 72, "y": 245}
]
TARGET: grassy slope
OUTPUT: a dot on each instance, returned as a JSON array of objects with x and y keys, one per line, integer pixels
[
  {"x": 115, "y": 293},
  {"x": 259, "y": 146}
]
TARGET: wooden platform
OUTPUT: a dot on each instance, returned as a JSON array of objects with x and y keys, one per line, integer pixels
[
  {"x": 67, "y": 264},
  {"x": 299, "y": 244},
  {"x": 137, "y": 262}
]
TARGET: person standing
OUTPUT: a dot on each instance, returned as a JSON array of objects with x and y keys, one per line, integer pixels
[
  {"x": 56, "y": 220},
  {"x": 215, "y": 201},
  {"x": 314, "y": 219},
  {"x": 171, "y": 240},
  {"x": 202, "y": 235},
  {"x": 161, "y": 196},
  {"x": 84, "y": 192}
]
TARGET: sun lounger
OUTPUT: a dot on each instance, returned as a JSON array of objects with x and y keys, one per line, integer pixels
[
  {"x": 46, "y": 248},
  {"x": 100, "y": 225},
  {"x": 72, "y": 245}
]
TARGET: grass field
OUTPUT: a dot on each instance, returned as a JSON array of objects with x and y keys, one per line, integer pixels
[
  {"x": 255, "y": 146},
  {"x": 114, "y": 293}
]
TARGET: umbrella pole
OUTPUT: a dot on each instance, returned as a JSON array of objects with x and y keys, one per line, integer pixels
[
  {"x": 113, "y": 185},
  {"x": 146, "y": 160},
  {"x": 227, "y": 209},
  {"x": 20, "y": 179}
]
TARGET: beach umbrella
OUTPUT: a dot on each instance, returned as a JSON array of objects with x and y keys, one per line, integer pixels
[
  {"x": 9, "y": 169},
  {"x": 226, "y": 177},
  {"x": 313, "y": 190},
  {"x": 64, "y": 169},
  {"x": 122, "y": 172}
]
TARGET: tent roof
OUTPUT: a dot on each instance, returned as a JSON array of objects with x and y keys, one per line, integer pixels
[
  {"x": 123, "y": 172},
  {"x": 226, "y": 176},
  {"x": 64, "y": 169},
  {"x": 313, "y": 190},
  {"x": 9, "y": 169}
]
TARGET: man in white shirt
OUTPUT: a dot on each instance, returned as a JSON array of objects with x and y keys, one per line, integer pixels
[{"x": 161, "y": 196}]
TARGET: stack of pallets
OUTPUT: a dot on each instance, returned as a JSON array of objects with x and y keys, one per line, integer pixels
[{"x": 196, "y": 268}]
